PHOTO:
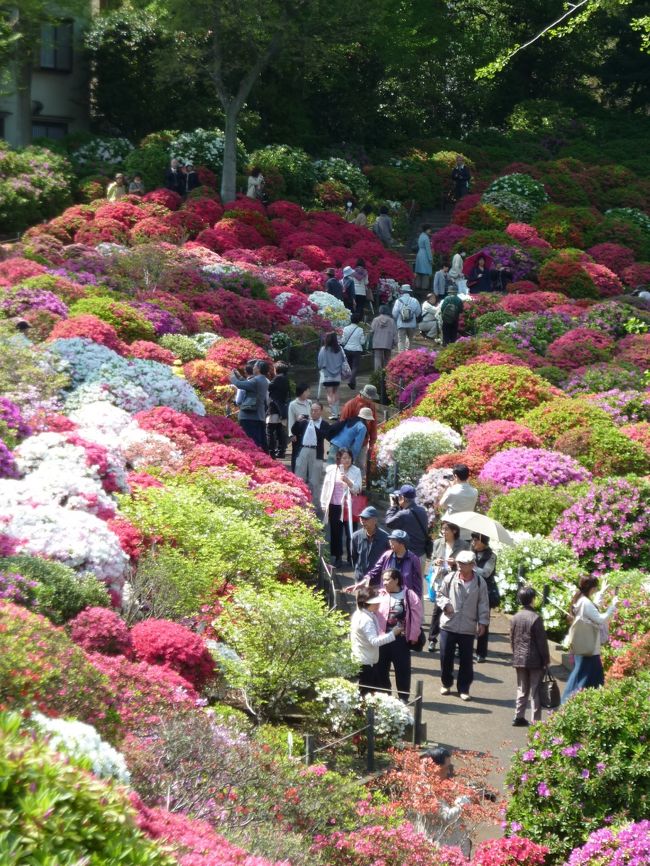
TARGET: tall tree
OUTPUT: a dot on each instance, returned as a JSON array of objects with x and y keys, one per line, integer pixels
[{"x": 234, "y": 41}]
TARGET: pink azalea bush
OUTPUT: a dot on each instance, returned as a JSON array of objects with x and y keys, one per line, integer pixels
[
  {"x": 494, "y": 436},
  {"x": 518, "y": 466},
  {"x": 444, "y": 240},
  {"x": 162, "y": 642},
  {"x": 97, "y": 629},
  {"x": 616, "y": 257},
  {"x": 579, "y": 347}
]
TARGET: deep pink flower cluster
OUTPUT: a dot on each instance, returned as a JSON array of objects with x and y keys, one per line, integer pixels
[
  {"x": 510, "y": 851},
  {"x": 578, "y": 348},
  {"x": 616, "y": 257},
  {"x": 15, "y": 270},
  {"x": 518, "y": 466},
  {"x": 530, "y": 302},
  {"x": 148, "y": 351},
  {"x": 444, "y": 240},
  {"x": 626, "y": 846},
  {"x": 100, "y": 630},
  {"x": 163, "y": 642},
  {"x": 184, "y": 430},
  {"x": 635, "y": 349},
  {"x": 409, "y": 365},
  {"x": 527, "y": 236},
  {"x": 91, "y": 327},
  {"x": 130, "y": 538},
  {"x": 165, "y": 197},
  {"x": 605, "y": 280},
  {"x": 494, "y": 436}
]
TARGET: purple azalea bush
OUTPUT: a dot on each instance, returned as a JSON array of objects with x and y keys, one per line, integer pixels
[
  {"x": 518, "y": 466},
  {"x": 625, "y": 846},
  {"x": 163, "y": 321},
  {"x": 414, "y": 391},
  {"x": 537, "y": 331},
  {"x": 609, "y": 527},
  {"x": 21, "y": 300},
  {"x": 7, "y": 464},
  {"x": 624, "y": 407},
  {"x": 13, "y": 426},
  {"x": 516, "y": 260},
  {"x": 16, "y": 588}
]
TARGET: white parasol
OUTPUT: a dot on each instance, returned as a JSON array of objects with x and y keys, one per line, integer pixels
[{"x": 482, "y": 524}]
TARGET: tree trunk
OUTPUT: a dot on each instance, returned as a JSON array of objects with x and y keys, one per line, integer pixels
[
  {"x": 23, "y": 98},
  {"x": 229, "y": 174}
]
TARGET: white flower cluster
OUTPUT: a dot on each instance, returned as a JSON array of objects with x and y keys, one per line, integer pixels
[
  {"x": 80, "y": 740},
  {"x": 203, "y": 147},
  {"x": 342, "y": 702},
  {"x": 520, "y": 208},
  {"x": 205, "y": 340},
  {"x": 392, "y": 717},
  {"x": 430, "y": 489},
  {"x": 631, "y": 214},
  {"x": 331, "y": 308},
  {"x": 103, "y": 150},
  {"x": 388, "y": 442}
]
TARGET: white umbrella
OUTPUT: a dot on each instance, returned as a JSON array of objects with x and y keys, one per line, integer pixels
[{"x": 482, "y": 524}]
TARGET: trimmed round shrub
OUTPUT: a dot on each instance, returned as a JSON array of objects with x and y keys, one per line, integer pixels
[
  {"x": 604, "y": 450},
  {"x": 129, "y": 324},
  {"x": 594, "y": 751},
  {"x": 59, "y": 812},
  {"x": 609, "y": 527},
  {"x": 494, "y": 436},
  {"x": 103, "y": 631},
  {"x": 533, "y": 508},
  {"x": 40, "y": 665},
  {"x": 518, "y": 466},
  {"x": 60, "y": 593},
  {"x": 579, "y": 348},
  {"x": 162, "y": 642},
  {"x": 561, "y": 415},
  {"x": 478, "y": 393},
  {"x": 569, "y": 277}
]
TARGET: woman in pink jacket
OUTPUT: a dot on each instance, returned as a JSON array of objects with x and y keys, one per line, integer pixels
[{"x": 397, "y": 606}]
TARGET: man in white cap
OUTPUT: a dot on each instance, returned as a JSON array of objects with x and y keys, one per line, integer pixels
[
  {"x": 348, "y": 287},
  {"x": 463, "y": 600},
  {"x": 406, "y": 310}
]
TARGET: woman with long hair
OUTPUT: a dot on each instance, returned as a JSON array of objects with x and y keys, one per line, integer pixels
[
  {"x": 342, "y": 480},
  {"x": 330, "y": 366},
  {"x": 587, "y": 670}
]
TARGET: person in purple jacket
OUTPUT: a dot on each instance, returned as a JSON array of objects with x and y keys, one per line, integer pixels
[{"x": 400, "y": 558}]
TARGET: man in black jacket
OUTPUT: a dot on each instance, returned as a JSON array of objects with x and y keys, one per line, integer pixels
[
  {"x": 174, "y": 178},
  {"x": 461, "y": 177},
  {"x": 310, "y": 436},
  {"x": 414, "y": 519}
]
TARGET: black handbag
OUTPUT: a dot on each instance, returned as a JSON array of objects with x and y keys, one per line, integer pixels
[
  {"x": 418, "y": 646},
  {"x": 549, "y": 691}
]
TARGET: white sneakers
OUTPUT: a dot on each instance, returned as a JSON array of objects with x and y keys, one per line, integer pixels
[
  {"x": 464, "y": 696},
  {"x": 445, "y": 691}
]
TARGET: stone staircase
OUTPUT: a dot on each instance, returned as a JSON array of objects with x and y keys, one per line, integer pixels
[{"x": 437, "y": 219}]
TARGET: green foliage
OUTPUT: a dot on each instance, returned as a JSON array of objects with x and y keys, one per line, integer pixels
[
  {"x": 295, "y": 166},
  {"x": 414, "y": 453},
  {"x": 40, "y": 665},
  {"x": 404, "y": 183},
  {"x": 61, "y": 593},
  {"x": 599, "y": 745},
  {"x": 150, "y": 159},
  {"x": 604, "y": 450},
  {"x": 208, "y": 540},
  {"x": 35, "y": 184},
  {"x": 128, "y": 322},
  {"x": 533, "y": 508},
  {"x": 560, "y": 415},
  {"x": 54, "y": 812},
  {"x": 488, "y": 322},
  {"x": 287, "y": 640},
  {"x": 27, "y": 374},
  {"x": 183, "y": 347},
  {"x": 344, "y": 172}
]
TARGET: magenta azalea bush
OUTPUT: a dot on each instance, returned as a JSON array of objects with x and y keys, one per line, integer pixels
[
  {"x": 609, "y": 527},
  {"x": 625, "y": 846},
  {"x": 518, "y": 466}
]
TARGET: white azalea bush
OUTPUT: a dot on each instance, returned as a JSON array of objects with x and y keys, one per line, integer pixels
[
  {"x": 344, "y": 710},
  {"x": 204, "y": 147},
  {"x": 345, "y": 172},
  {"x": 550, "y": 567},
  {"x": 520, "y": 209},
  {"x": 413, "y": 444},
  {"x": 80, "y": 740},
  {"x": 521, "y": 185},
  {"x": 331, "y": 308},
  {"x": 102, "y": 151},
  {"x": 631, "y": 214}
]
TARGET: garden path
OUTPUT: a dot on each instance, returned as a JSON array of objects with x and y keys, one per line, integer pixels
[{"x": 483, "y": 724}]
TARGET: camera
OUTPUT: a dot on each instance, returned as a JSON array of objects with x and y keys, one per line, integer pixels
[{"x": 394, "y": 499}]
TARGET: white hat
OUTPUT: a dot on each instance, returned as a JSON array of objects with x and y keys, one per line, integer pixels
[
  {"x": 348, "y": 271},
  {"x": 466, "y": 556},
  {"x": 405, "y": 288},
  {"x": 366, "y": 414}
]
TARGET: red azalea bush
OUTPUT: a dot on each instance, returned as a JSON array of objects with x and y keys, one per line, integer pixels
[
  {"x": 213, "y": 454},
  {"x": 147, "y": 351},
  {"x": 635, "y": 349},
  {"x": 579, "y": 347},
  {"x": 235, "y": 353},
  {"x": 467, "y": 202},
  {"x": 527, "y": 236},
  {"x": 634, "y": 659},
  {"x": 472, "y": 459},
  {"x": 244, "y": 203},
  {"x": 637, "y": 274},
  {"x": 206, "y": 209},
  {"x": 142, "y": 693},
  {"x": 397, "y": 846},
  {"x": 166, "y": 197},
  {"x": 102, "y": 231},
  {"x": 301, "y": 238},
  {"x": 156, "y": 229},
  {"x": 187, "y": 222},
  {"x": 162, "y": 642},
  {"x": 229, "y": 234},
  {"x": 286, "y": 210},
  {"x": 130, "y": 538},
  {"x": 240, "y": 313},
  {"x": 253, "y": 218},
  {"x": 444, "y": 240},
  {"x": 493, "y": 436},
  {"x": 639, "y": 432},
  {"x": 533, "y": 302},
  {"x": 314, "y": 257},
  {"x": 522, "y": 287},
  {"x": 497, "y": 358},
  {"x": 100, "y": 630},
  {"x": 510, "y": 851},
  {"x": 616, "y": 257},
  {"x": 183, "y": 429},
  {"x": 122, "y": 212},
  {"x": 15, "y": 270},
  {"x": 92, "y": 328},
  {"x": 568, "y": 277},
  {"x": 607, "y": 283}
]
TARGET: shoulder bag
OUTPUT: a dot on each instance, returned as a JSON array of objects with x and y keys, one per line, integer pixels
[
  {"x": 549, "y": 691},
  {"x": 582, "y": 637}
]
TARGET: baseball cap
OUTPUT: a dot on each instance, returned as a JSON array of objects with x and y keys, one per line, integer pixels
[
  {"x": 407, "y": 491},
  {"x": 369, "y": 511},
  {"x": 400, "y": 535},
  {"x": 466, "y": 556}
]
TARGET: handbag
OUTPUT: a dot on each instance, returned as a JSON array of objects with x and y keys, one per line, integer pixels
[
  {"x": 358, "y": 502},
  {"x": 418, "y": 646},
  {"x": 346, "y": 371},
  {"x": 549, "y": 691},
  {"x": 582, "y": 638}
]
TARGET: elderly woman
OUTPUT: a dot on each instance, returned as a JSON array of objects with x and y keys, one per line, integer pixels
[
  {"x": 443, "y": 560},
  {"x": 402, "y": 607},
  {"x": 430, "y": 323},
  {"x": 342, "y": 480},
  {"x": 366, "y": 637}
]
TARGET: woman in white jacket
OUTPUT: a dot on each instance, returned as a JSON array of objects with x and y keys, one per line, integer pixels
[
  {"x": 365, "y": 637},
  {"x": 342, "y": 479},
  {"x": 587, "y": 670}
]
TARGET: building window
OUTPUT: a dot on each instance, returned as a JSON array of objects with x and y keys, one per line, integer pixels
[
  {"x": 49, "y": 129},
  {"x": 56, "y": 46}
]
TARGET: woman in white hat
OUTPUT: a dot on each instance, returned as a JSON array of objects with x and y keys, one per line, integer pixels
[{"x": 366, "y": 638}]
